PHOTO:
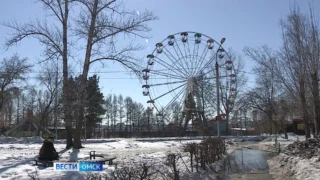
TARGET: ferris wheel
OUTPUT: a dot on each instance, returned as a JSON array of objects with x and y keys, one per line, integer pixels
[{"x": 184, "y": 68}]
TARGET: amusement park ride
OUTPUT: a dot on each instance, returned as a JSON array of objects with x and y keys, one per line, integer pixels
[{"x": 196, "y": 71}]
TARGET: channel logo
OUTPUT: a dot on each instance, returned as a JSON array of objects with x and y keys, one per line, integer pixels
[
  {"x": 82, "y": 166},
  {"x": 66, "y": 166},
  {"x": 90, "y": 166}
]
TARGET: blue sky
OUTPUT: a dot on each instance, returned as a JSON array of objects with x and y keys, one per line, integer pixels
[{"x": 242, "y": 22}]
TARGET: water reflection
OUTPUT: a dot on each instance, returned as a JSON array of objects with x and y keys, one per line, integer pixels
[{"x": 245, "y": 161}]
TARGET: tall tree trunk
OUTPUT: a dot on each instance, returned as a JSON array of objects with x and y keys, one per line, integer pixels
[
  {"x": 66, "y": 89},
  {"x": 69, "y": 135},
  {"x": 83, "y": 82},
  {"x": 316, "y": 101},
  {"x": 285, "y": 133},
  {"x": 304, "y": 108},
  {"x": 18, "y": 109},
  {"x": 77, "y": 137},
  {"x": 10, "y": 110},
  {"x": 227, "y": 124}
]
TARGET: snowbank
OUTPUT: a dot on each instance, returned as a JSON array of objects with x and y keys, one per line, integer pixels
[
  {"x": 24, "y": 140},
  {"x": 299, "y": 160},
  {"x": 248, "y": 138},
  {"x": 284, "y": 166}
]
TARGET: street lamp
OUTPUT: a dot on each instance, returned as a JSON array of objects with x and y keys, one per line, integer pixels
[
  {"x": 217, "y": 82},
  {"x": 222, "y": 41}
]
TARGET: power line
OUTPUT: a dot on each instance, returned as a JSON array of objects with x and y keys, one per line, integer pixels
[
  {"x": 110, "y": 72},
  {"x": 135, "y": 78},
  {"x": 127, "y": 78}
]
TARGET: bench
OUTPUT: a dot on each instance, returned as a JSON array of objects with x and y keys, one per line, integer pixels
[
  {"x": 45, "y": 163},
  {"x": 93, "y": 155}
]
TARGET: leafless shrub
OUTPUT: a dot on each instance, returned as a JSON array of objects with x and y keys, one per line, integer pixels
[
  {"x": 93, "y": 177},
  {"x": 134, "y": 171},
  {"x": 190, "y": 148},
  {"x": 172, "y": 161},
  {"x": 205, "y": 153},
  {"x": 34, "y": 175}
]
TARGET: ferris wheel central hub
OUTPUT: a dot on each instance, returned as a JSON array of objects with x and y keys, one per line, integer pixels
[{"x": 191, "y": 81}]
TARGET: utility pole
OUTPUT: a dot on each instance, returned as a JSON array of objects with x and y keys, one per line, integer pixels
[
  {"x": 218, "y": 98},
  {"x": 217, "y": 85}
]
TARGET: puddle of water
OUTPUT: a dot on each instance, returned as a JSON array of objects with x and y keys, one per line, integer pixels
[{"x": 247, "y": 164}]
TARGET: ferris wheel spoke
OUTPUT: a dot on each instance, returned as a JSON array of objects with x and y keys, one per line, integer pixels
[
  {"x": 204, "y": 67},
  {"x": 166, "y": 65},
  {"x": 155, "y": 106},
  {"x": 169, "y": 92},
  {"x": 214, "y": 77},
  {"x": 177, "y": 44},
  {"x": 159, "y": 73},
  {"x": 187, "y": 58},
  {"x": 175, "y": 97},
  {"x": 209, "y": 78},
  {"x": 197, "y": 55},
  {"x": 167, "y": 52},
  {"x": 179, "y": 59},
  {"x": 209, "y": 63},
  {"x": 192, "y": 58},
  {"x": 195, "y": 61},
  {"x": 198, "y": 50},
  {"x": 201, "y": 67},
  {"x": 193, "y": 52},
  {"x": 167, "y": 83},
  {"x": 201, "y": 60},
  {"x": 182, "y": 99},
  {"x": 176, "y": 60},
  {"x": 208, "y": 72}
]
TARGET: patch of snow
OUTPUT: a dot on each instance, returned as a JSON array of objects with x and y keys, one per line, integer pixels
[
  {"x": 24, "y": 140},
  {"x": 284, "y": 166},
  {"x": 17, "y": 154}
]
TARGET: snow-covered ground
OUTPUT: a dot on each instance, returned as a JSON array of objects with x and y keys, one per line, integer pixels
[
  {"x": 286, "y": 167},
  {"x": 17, "y": 154},
  {"x": 289, "y": 167}
]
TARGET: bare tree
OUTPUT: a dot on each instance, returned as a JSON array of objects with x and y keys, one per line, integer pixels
[
  {"x": 109, "y": 111},
  {"x": 301, "y": 54},
  {"x": 163, "y": 116},
  {"x": 46, "y": 97},
  {"x": 115, "y": 109},
  {"x": 98, "y": 24},
  {"x": 231, "y": 91},
  {"x": 54, "y": 38},
  {"x": 12, "y": 71},
  {"x": 128, "y": 104},
  {"x": 121, "y": 110},
  {"x": 269, "y": 87},
  {"x": 7, "y": 110},
  {"x": 138, "y": 111}
]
